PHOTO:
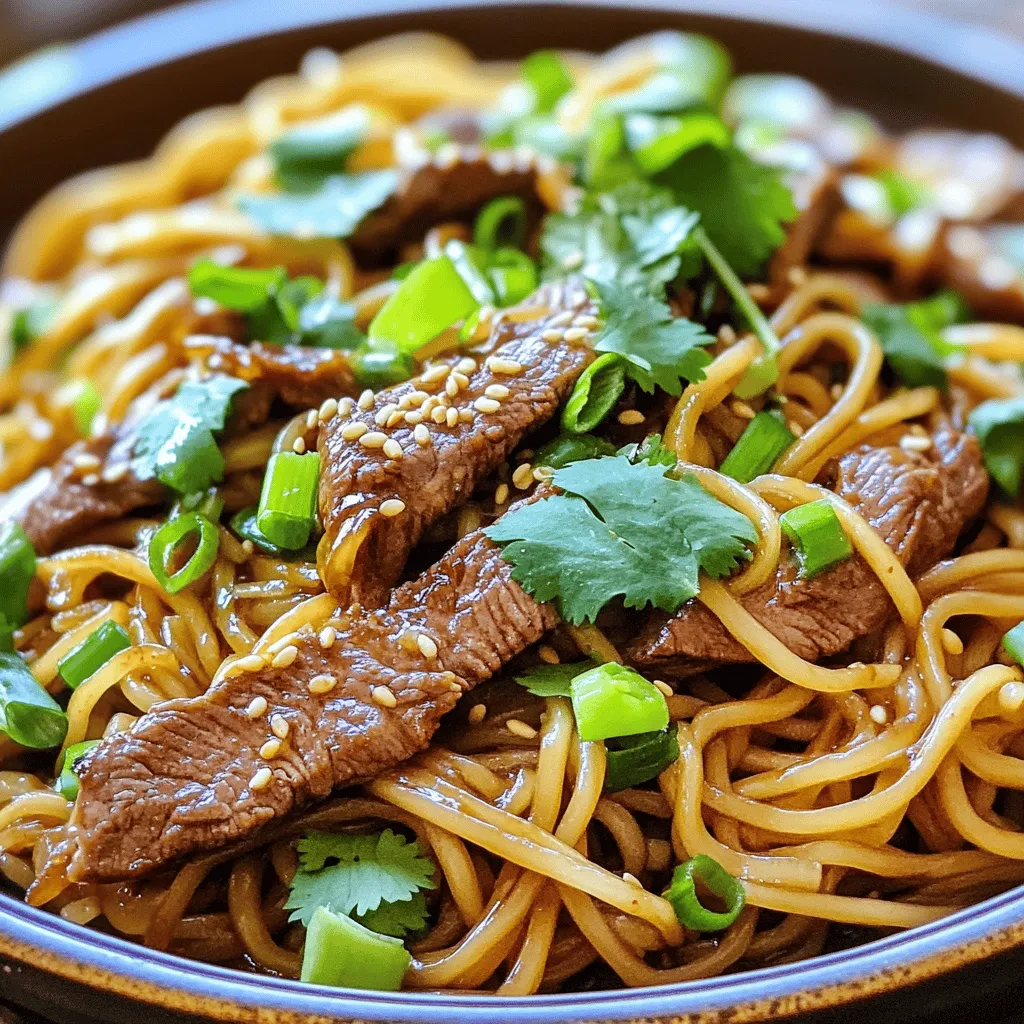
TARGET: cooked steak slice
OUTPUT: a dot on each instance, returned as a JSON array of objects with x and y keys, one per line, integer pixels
[
  {"x": 918, "y": 502},
  {"x": 450, "y": 434},
  {"x": 978, "y": 263},
  {"x": 190, "y": 776},
  {"x": 453, "y": 185}
]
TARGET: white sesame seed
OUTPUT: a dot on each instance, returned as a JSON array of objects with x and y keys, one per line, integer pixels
[
  {"x": 465, "y": 415},
  {"x": 466, "y": 365},
  {"x": 282, "y": 642},
  {"x": 345, "y": 406},
  {"x": 412, "y": 418},
  {"x": 426, "y": 645},
  {"x": 487, "y": 405},
  {"x": 270, "y": 749},
  {"x": 352, "y": 431},
  {"x": 439, "y": 414},
  {"x": 435, "y": 373},
  {"x": 365, "y": 399},
  {"x": 951, "y": 643},
  {"x": 299, "y": 446},
  {"x": 249, "y": 663},
  {"x": 392, "y": 449},
  {"x": 421, "y": 434},
  {"x": 395, "y": 418},
  {"x": 576, "y": 333},
  {"x": 451, "y": 417},
  {"x": 552, "y": 334},
  {"x": 311, "y": 418},
  {"x": 523, "y": 476},
  {"x": 741, "y": 409},
  {"x": 451, "y": 386},
  {"x": 585, "y": 320},
  {"x": 498, "y": 391},
  {"x": 477, "y": 713},
  {"x": 664, "y": 687},
  {"x": 85, "y": 461},
  {"x": 631, "y": 417},
  {"x": 327, "y": 637},
  {"x": 279, "y": 726},
  {"x": 561, "y": 319},
  {"x": 914, "y": 443},
  {"x": 878, "y": 714},
  {"x": 548, "y": 655},
  {"x": 460, "y": 378},
  {"x": 322, "y": 683},
  {"x": 521, "y": 729},
  {"x": 91, "y": 480},
  {"x": 407, "y": 641},
  {"x": 248, "y": 547},
  {"x": 383, "y": 696},
  {"x": 795, "y": 428},
  {"x": 509, "y": 367},
  {"x": 501, "y": 494},
  {"x": 329, "y": 409},
  {"x": 285, "y": 657},
  {"x": 392, "y": 507},
  {"x": 261, "y": 779},
  {"x": 257, "y": 707},
  {"x": 384, "y": 413},
  {"x": 374, "y": 439}
]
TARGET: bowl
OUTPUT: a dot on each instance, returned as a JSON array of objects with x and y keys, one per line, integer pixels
[{"x": 130, "y": 85}]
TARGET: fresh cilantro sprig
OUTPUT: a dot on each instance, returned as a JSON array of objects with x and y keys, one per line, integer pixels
[
  {"x": 175, "y": 442},
  {"x": 377, "y": 879},
  {"x": 999, "y": 424},
  {"x": 620, "y": 530},
  {"x": 552, "y": 680}
]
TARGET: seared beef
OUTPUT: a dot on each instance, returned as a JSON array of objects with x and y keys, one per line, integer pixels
[
  {"x": 918, "y": 502},
  {"x": 975, "y": 262},
  {"x": 452, "y": 186},
  {"x": 527, "y": 362},
  {"x": 182, "y": 779}
]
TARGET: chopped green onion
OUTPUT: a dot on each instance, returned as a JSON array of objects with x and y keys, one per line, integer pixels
[
  {"x": 28, "y": 714},
  {"x": 342, "y": 953},
  {"x": 764, "y": 440},
  {"x": 17, "y": 568},
  {"x": 471, "y": 263},
  {"x": 433, "y": 297},
  {"x": 327, "y": 322},
  {"x": 288, "y": 500},
  {"x": 380, "y": 367},
  {"x": 612, "y": 700},
  {"x": 902, "y": 193},
  {"x": 658, "y": 142},
  {"x": 682, "y": 894},
  {"x": 239, "y": 288},
  {"x": 67, "y": 781},
  {"x": 632, "y": 760},
  {"x": 763, "y": 372},
  {"x": 567, "y": 448},
  {"x": 310, "y": 152},
  {"x": 595, "y": 394},
  {"x": 85, "y": 401},
  {"x": 469, "y": 326},
  {"x": 208, "y": 503},
  {"x": 546, "y": 74},
  {"x": 244, "y": 524},
  {"x": 605, "y": 162},
  {"x": 165, "y": 542},
  {"x": 32, "y": 321},
  {"x": 817, "y": 536},
  {"x": 1013, "y": 643},
  {"x": 501, "y": 222},
  {"x": 88, "y": 657},
  {"x": 513, "y": 275}
]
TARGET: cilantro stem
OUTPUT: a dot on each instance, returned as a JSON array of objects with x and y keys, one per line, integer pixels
[{"x": 763, "y": 372}]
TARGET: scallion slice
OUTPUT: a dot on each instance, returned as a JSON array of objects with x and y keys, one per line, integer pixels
[
  {"x": 595, "y": 394},
  {"x": 471, "y": 263},
  {"x": 287, "y": 507},
  {"x": 817, "y": 536},
  {"x": 244, "y": 524},
  {"x": 658, "y": 142},
  {"x": 67, "y": 781},
  {"x": 310, "y": 152},
  {"x": 342, "y": 952},
  {"x": 502, "y": 222},
  {"x": 545, "y": 72},
  {"x": 381, "y": 366},
  {"x": 613, "y": 700},
  {"x": 764, "y": 440},
  {"x": 85, "y": 402},
  {"x": 513, "y": 275},
  {"x": 632, "y": 760},
  {"x": 682, "y": 894},
  {"x": 1013, "y": 643},
  {"x": 92, "y": 653},
  {"x": 165, "y": 542},
  {"x": 28, "y": 714},
  {"x": 240, "y": 288},
  {"x": 17, "y": 567}
]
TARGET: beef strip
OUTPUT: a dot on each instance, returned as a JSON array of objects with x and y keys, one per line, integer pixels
[
  {"x": 918, "y": 502},
  {"x": 431, "y": 478},
  {"x": 452, "y": 185},
  {"x": 180, "y": 780},
  {"x": 974, "y": 262}
]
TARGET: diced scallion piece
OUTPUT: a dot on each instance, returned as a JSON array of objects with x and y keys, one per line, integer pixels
[
  {"x": 310, "y": 152},
  {"x": 85, "y": 401},
  {"x": 341, "y": 952},
  {"x": 682, "y": 894},
  {"x": 67, "y": 781},
  {"x": 17, "y": 567},
  {"x": 764, "y": 440},
  {"x": 545, "y": 72},
  {"x": 244, "y": 524},
  {"x": 501, "y": 222},
  {"x": 92, "y": 653},
  {"x": 817, "y": 536},
  {"x": 595, "y": 394},
  {"x": 513, "y": 275},
  {"x": 381, "y": 367},
  {"x": 241, "y": 288},
  {"x": 28, "y": 714},
  {"x": 658, "y": 142},
  {"x": 613, "y": 700},
  {"x": 632, "y": 760},
  {"x": 165, "y": 542},
  {"x": 287, "y": 506},
  {"x": 1013, "y": 643}
]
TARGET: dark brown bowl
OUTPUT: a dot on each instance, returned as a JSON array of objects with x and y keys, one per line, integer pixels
[{"x": 133, "y": 84}]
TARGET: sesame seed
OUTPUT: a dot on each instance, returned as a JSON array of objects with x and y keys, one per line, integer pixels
[
  {"x": 248, "y": 547},
  {"x": 91, "y": 480},
  {"x": 501, "y": 494},
  {"x": 561, "y": 320},
  {"x": 270, "y": 749},
  {"x": 392, "y": 507},
  {"x": 352, "y": 431},
  {"x": 951, "y": 643},
  {"x": 299, "y": 446},
  {"x": 384, "y": 414},
  {"x": 914, "y": 443},
  {"x": 465, "y": 415},
  {"x": 631, "y": 417},
  {"x": 345, "y": 405},
  {"x": 421, "y": 434},
  {"x": 365, "y": 399},
  {"x": 329, "y": 409},
  {"x": 742, "y": 409},
  {"x": 383, "y": 696},
  {"x": 407, "y": 641},
  {"x": 795, "y": 428},
  {"x": 487, "y": 405},
  {"x": 439, "y": 415},
  {"x": 85, "y": 461},
  {"x": 466, "y": 365},
  {"x": 261, "y": 779},
  {"x": 374, "y": 439},
  {"x": 548, "y": 655},
  {"x": 631, "y": 879},
  {"x": 412, "y": 418},
  {"x": 552, "y": 334},
  {"x": 392, "y": 449},
  {"x": 451, "y": 386},
  {"x": 477, "y": 713},
  {"x": 878, "y": 714},
  {"x": 322, "y": 683},
  {"x": 249, "y": 663},
  {"x": 585, "y": 320},
  {"x": 451, "y": 417},
  {"x": 426, "y": 645},
  {"x": 279, "y": 726},
  {"x": 257, "y": 707},
  {"x": 521, "y": 729},
  {"x": 327, "y": 637},
  {"x": 575, "y": 333},
  {"x": 498, "y": 391},
  {"x": 460, "y": 378},
  {"x": 435, "y": 373},
  {"x": 282, "y": 642},
  {"x": 523, "y": 476},
  {"x": 395, "y": 418},
  {"x": 311, "y": 418},
  {"x": 664, "y": 687},
  {"x": 285, "y": 657},
  {"x": 114, "y": 473},
  {"x": 509, "y": 367}
]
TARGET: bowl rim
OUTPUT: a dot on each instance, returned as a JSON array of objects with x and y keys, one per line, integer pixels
[{"x": 45, "y": 941}]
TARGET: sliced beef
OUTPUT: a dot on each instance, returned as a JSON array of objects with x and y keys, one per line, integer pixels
[
  {"x": 453, "y": 185},
  {"x": 983, "y": 264},
  {"x": 527, "y": 363},
  {"x": 918, "y": 502},
  {"x": 182, "y": 779}
]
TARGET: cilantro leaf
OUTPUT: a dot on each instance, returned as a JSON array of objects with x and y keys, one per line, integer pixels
[
  {"x": 622, "y": 529},
  {"x": 397, "y": 919},
  {"x": 552, "y": 680},
  {"x": 999, "y": 424},
  {"x": 334, "y": 210},
  {"x": 361, "y": 874},
  {"x": 311, "y": 152},
  {"x": 658, "y": 348},
  {"x": 742, "y": 204},
  {"x": 651, "y": 449},
  {"x": 175, "y": 442}
]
